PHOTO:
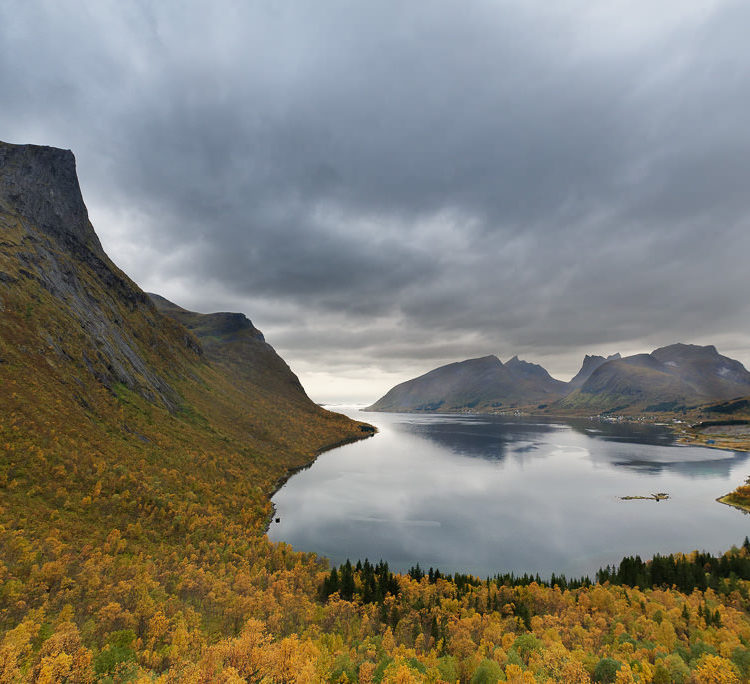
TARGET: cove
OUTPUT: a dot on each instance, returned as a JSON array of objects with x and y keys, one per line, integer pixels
[{"x": 486, "y": 494}]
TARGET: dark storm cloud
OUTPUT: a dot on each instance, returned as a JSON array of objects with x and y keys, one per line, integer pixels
[{"x": 409, "y": 180}]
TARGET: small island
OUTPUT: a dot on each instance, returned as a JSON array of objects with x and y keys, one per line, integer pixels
[{"x": 659, "y": 496}]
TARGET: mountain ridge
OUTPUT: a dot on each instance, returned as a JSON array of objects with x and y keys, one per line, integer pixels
[
  {"x": 483, "y": 383},
  {"x": 669, "y": 378},
  {"x": 676, "y": 376},
  {"x": 87, "y": 358},
  {"x": 588, "y": 366}
]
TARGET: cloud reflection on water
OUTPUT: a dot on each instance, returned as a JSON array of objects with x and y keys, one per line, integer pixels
[{"x": 491, "y": 495}]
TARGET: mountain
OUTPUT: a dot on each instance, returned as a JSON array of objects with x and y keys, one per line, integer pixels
[
  {"x": 669, "y": 378},
  {"x": 138, "y": 449},
  {"x": 77, "y": 327},
  {"x": 476, "y": 384},
  {"x": 536, "y": 376},
  {"x": 232, "y": 342},
  {"x": 590, "y": 364}
]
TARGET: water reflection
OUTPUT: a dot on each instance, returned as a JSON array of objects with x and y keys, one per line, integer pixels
[
  {"x": 488, "y": 494},
  {"x": 622, "y": 445}
]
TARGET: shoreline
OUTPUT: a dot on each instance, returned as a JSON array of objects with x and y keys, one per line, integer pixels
[
  {"x": 740, "y": 507},
  {"x": 281, "y": 481},
  {"x": 692, "y": 438},
  {"x": 685, "y": 434}
]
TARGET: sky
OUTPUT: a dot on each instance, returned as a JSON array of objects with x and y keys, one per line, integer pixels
[{"x": 390, "y": 186}]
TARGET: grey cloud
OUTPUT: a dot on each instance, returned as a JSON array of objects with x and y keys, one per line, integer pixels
[{"x": 499, "y": 176}]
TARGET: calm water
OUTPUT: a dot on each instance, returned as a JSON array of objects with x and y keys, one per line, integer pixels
[{"x": 486, "y": 494}]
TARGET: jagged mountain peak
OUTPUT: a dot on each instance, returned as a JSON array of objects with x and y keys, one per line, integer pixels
[
  {"x": 591, "y": 362},
  {"x": 528, "y": 369},
  {"x": 521, "y": 363}
]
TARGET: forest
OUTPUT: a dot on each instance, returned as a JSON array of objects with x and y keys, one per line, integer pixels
[{"x": 124, "y": 566}]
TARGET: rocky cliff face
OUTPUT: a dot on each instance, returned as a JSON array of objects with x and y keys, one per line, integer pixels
[
  {"x": 82, "y": 307},
  {"x": 40, "y": 185}
]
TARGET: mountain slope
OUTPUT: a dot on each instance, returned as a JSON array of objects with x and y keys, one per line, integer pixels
[
  {"x": 535, "y": 376},
  {"x": 589, "y": 365},
  {"x": 668, "y": 378},
  {"x": 137, "y": 457},
  {"x": 476, "y": 384},
  {"x": 232, "y": 342},
  {"x": 74, "y": 318}
]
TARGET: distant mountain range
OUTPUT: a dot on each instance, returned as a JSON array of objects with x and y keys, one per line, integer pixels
[{"x": 670, "y": 378}]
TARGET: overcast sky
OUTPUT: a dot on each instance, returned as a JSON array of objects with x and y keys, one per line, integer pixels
[{"x": 384, "y": 187}]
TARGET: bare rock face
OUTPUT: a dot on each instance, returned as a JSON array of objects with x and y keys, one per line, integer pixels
[
  {"x": 51, "y": 259},
  {"x": 41, "y": 185}
]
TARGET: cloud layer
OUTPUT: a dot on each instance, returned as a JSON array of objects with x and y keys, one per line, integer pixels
[{"x": 385, "y": 187}]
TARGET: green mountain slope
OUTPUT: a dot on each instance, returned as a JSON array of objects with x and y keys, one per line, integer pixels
[{"x": 231, "y": 342}]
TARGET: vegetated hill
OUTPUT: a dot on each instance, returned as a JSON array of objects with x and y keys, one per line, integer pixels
[
  {"x": 116, "y": 420},
  {"x": 669, "y": 378},
  {"x": 740, "y": 407},
  {"x": 232, "y": 342},
  {"x": 475, "y": 384},
  {"x": 589, "y": 365},
  {"x": 75, "y": 326}
]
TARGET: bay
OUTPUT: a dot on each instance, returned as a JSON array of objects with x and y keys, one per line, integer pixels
[{"x": 490, "y": 494}]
